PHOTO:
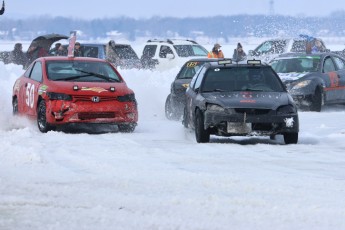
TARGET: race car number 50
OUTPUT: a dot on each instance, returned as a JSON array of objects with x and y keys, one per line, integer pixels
[{"x": 30, "y": 95}]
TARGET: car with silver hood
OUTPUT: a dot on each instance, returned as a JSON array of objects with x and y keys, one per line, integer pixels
[
  {"x": 240, "y": 99},
  {"x": 272, "y": 48},
  {"x": 313, "y": 80}
]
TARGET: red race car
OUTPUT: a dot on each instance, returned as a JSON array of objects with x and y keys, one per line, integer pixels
[{"x": 72, "y": 90}]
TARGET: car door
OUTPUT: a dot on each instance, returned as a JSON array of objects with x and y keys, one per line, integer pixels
[
  {"x": 340, "y": 64},
  {"x": 30, "y": 91},
  {"x": 192, "y": 94},
  {"x": 166, "y": 57}
]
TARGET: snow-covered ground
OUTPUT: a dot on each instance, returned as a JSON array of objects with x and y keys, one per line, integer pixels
[{"x": 159, "y": 178}]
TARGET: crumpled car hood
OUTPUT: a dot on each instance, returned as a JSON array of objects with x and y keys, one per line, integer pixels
[{"x": 291, "y": 76}]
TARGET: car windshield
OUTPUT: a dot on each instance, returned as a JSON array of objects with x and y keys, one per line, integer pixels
[
  {"x": 81, "y": 71},
  {"x": 189, "y": 70},
  {"x": 271, "y": 47},
  {"x": 190, "y": 50},
  {"x": 125, "y": 52},
  {"x": 296, "y": 64},
  {"x": 241, "y": 79}
]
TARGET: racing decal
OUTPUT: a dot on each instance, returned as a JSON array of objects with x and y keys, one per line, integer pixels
[
  {"x": 42, "y": 89},
  {"x": 333, "y": 78},
  {"x": 192, "y": 64},
  {"x": 248, "y": 101},
  {"x": 185, "y": 85},
  {"x": 30, "y": 95},
  {"x": 94, "y": 89},
  {"x": 247, "y": 94}
]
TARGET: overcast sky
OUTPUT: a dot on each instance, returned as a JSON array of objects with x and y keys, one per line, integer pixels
[{"x": 88, "y": 9}]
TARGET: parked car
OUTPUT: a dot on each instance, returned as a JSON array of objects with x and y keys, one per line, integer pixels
[
  {"x": 126, "y": 57},
  {"x": 58, "y": 91},
  {"x": 175, "y": 101},
  {"x": 226, "y": 99},
  {"x": 272, "y": 48},
  {"x": 313, "y": 80},
  {"x": 166, "y": 54}
]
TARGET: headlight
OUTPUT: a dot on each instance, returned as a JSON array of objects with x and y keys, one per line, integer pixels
[
  {"x": 59, "y": 96},
  {"x": 213, "y": 107},
  {"x": 301, "y": 84},
  {"x": 286, "y": 109},
  {"x": 128, "y": 97}
]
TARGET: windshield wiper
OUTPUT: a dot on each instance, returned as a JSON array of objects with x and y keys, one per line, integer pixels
[
  {"x": 87, "y": 74},
  {"x": 97, "y": 75}
]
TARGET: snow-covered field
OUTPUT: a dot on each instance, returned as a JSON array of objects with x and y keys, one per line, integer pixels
[{"x": 159, "y": 178}]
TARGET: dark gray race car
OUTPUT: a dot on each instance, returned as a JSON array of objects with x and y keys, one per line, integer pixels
[
  {"x": 239, "y": 100},
  {"x": 175, "y": 101},
  {"x": 313, "y": 80}
]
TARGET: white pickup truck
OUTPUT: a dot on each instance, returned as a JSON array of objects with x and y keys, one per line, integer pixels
[{"x": 170, "y": 53}]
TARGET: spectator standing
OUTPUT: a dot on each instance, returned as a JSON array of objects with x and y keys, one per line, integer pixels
[
  {"x": 239, "y": 54},
  {"x": 110, "y": 51},
  {"x": 78, "y": 52},
  {"x": 17, "y": 56},
  {"x": 54, "y": 51},
  {"x": 35, "y": 51},
  {"x": 216, "y": 52},
  {"x": 317, "y": 47},
  {"x": 62, "y": 51}
]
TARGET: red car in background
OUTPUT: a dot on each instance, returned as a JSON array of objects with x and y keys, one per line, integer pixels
[{"x": 65, "y": 90}]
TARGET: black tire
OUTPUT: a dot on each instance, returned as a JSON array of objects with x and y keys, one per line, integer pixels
[
  {"x": 316, "y": 100},
  {"x": 15, "y": 106},
  {"x": 127, "y": 128},
  {"x": 290, "y": 138},
  {"x": 201, "y": 135},
  {"x": 42, "y": 124},
  {"x": 169, "y": 110},
  {"x": 185, "y": 118}
]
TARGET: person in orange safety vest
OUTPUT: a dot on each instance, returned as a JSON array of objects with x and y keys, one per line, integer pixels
[{"x": 216, "y": 52}]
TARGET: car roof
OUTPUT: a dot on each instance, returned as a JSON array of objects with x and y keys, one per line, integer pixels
[
  {"x": 204, "y": 59},
  {"x": 66, "y": 58},
  {"x": 241, "y": 64},
  {"x": 173, "y": 41}
]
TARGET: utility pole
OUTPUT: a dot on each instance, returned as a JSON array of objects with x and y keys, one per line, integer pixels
[{"x": 271, "y": 12}]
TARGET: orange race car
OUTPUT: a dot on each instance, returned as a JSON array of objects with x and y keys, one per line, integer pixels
[{"x": 72, "y": 90}]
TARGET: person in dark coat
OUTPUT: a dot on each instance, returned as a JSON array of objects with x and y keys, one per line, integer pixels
[
  {"x": 61, "y": 51},
  {"x": 239, "y": 54},
  {"x": 54, "y": 51},
  {"x": 34, "y": 52},
  {"x": 78, "y": 52},
  {"x": 17, "y": 56}
]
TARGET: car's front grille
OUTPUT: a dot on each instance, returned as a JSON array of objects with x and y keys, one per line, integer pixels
[
  {"x": 89, "y": 98},
  {"x": 253, "y": 111},
  {"x": 95, "y": 115}
]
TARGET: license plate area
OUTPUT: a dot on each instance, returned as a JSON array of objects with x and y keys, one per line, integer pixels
[{"x": 239, "y": 127}]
